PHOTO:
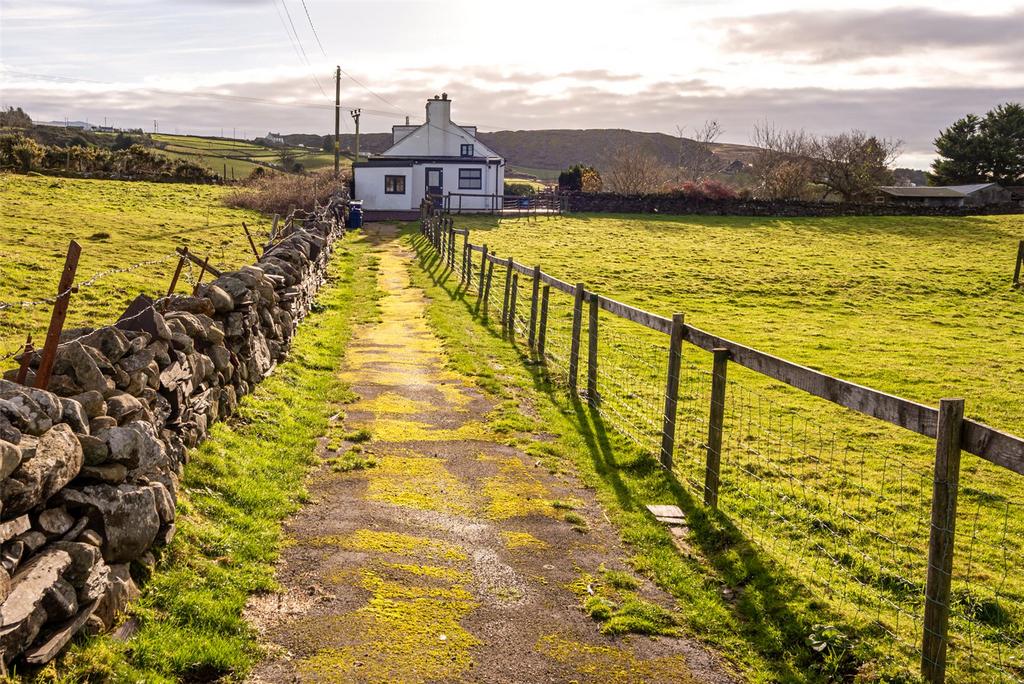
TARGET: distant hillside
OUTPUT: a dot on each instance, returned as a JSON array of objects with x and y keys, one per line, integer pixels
[{"x": 554, "y": 149}]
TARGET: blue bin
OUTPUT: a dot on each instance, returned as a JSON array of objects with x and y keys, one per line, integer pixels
[{"x": 355, "y": 214}]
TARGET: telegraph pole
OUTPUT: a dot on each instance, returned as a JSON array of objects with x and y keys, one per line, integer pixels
[
  {"x": 337, "y": 121},
  {"x": 355, "y": 115}
]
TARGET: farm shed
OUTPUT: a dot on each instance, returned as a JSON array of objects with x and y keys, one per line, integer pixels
[
  {"x": 434, "y": 158},
  {"x": 974, "y": 195}
]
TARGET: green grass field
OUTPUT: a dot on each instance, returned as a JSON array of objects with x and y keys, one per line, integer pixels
[
  {"x": 919, "y": 307},
  {"x": 238, "y": 158},
  {"x": 118, "y": 225}
]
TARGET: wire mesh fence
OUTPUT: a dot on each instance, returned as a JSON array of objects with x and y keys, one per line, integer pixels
[{"x": 841, "y": 501}]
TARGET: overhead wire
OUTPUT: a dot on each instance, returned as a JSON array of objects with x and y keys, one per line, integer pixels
[{"x": 296, "y": 40}]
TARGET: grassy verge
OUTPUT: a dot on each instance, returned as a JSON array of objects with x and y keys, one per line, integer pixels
[
  {"x": 729, "y": 595},
  {"x": 240, "y": 485}
]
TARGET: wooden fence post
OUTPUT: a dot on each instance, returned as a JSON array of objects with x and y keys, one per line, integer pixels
[
  {"x": 1016, "y": 268},
  {"x": 512, "y": 306},
  {"x": 487, "y": 288},
  {"x": 451, "y": 248},
  {"x": 543, "y": 335},
  {"x": 592, "y": 396},
  {"x": 577, "y": 325},
  {"x": 483, "y": 273},
  {"x": 940, "y": 542},
  {"x": 251, "y": 243},
  {"x": 202, "y": 271},
  {"x": 177, "y": 273},
  {"x": 60, "y": 312},
  {"x": 715, "y": 419},
  {"x": 533, "y": 306},
  {"x": 675, "y": 357},
  {"x": 504, "y": 301}
]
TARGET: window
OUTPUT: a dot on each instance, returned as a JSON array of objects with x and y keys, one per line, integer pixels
[
  {"x": 471, "y": 179},
  {"x": 466, "y": 150},
  {"x": 394, "y": 185}
]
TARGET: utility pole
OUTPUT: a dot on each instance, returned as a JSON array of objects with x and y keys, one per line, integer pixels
[
  {"x": 337, "y": 121},
  {"x": 355, "y": 115}
]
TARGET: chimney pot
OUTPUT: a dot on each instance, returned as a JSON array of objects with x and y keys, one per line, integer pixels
[{"x": 444, "y": 96}]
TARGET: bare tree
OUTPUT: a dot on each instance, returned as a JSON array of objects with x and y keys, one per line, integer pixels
[
  {"x": 853, "y": 163},
  {"x": 697, "y": 159},
  {"x": 782, "y": 164},
  {"x": 634, "y": 171}
]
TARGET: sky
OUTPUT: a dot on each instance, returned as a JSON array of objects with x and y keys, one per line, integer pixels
[{"x": 901, "y": 71}]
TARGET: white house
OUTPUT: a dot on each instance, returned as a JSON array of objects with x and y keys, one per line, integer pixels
[{"x": 437, "y": 158}]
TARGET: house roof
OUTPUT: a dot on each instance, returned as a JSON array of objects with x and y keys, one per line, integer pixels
[
  {"x": 426, "y": 161},
  {"x": 934, "y": 191}
]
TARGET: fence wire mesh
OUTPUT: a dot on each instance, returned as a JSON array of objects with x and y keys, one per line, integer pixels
[{"x": 839, "y": 501}]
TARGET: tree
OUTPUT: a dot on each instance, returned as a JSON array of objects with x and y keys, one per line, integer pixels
[
  {"x": 633, "y": 171},
  {"x": 853, "y": 163},
  {"x": 580, "y": 178},
  {"x": 782, "y": 164},
  {"x": 697, "y": 159},
  {"x": 14, "y": 118},
  {"x": 987, "y": 149}
]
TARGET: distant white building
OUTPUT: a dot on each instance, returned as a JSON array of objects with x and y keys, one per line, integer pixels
[{"x": 436, "y": 158}]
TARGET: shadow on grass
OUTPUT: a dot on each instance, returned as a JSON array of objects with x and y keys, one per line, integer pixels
[{"x": 767, "y": 610}]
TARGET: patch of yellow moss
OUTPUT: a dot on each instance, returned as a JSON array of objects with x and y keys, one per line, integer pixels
[
  {"x": 418, "y": 482},
  {"x": 407, "y": 634},
  {"x": 395, "y": 543},
  {"x": 397, "y": 430},
  {"x": 434, "y": 572},
  {"x": 393, "y": 404},
  {"x": 523, "y": 540},
  {"x": 612, "y": 664},
  {"x": 514, "y": 491}
]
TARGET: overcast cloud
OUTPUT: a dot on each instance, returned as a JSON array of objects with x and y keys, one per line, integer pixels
[{"x": 202, "y": 66}]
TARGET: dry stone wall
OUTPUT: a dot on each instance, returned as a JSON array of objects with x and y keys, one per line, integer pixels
[{"x": 89, "y": 468}]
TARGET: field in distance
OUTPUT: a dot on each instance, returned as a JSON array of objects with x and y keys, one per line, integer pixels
[
  {"x": 238, "y": 158},
  {"x": 920, "y": 307},
  {"x": 119, "y": 224}
]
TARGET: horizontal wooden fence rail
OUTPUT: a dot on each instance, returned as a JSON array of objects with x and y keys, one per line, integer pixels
[{"x": 950, "y": 430}]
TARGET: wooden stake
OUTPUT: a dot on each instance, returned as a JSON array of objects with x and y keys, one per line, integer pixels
[
  {"x": 177, "y": 273},
  {"x": 940, "y": 543},
  {"x": 483, "y": 273},
  {"x": 542, "y": 337},
  {"x": 487, "y": 288},
  {"x": 60, "y": 312},
  {"x": 203, "y": 267},
  {"x": 251, "y": 243},
  {"x": 592, "y": 396},
  {"x": 716, "y": 417},
  {"x": 533, "y": 305},
  {"x": 512, "y": 306},
  {"x": 577, "y": 326},
  {"x": 1016, "y": 268},
  {"x": 504, "y": 301},
  {"x": 675, "y": 356}
]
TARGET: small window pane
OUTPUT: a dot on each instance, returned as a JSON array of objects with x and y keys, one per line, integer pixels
[
  {"x": 467, "y": 150},
  {"x": 394, "y": 185},
  {"x": 471, "y": 179}
]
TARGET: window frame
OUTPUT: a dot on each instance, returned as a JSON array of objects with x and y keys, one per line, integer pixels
[
  {"x": 478, "y": 181},
  {"x": 392, "y": 178},
  {"x": 462, "y": 150}
]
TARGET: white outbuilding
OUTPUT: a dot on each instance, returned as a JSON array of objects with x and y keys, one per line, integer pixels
[{"x": 438, "y": 158}]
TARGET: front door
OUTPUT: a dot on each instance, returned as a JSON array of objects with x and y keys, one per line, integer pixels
[{"x": 435, "y": 181}]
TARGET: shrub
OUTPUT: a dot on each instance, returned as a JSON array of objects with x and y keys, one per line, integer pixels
[
  {"x": 274, "y": 193},
  {"x": 717, "y": 190},
  {"x": 520, "y": 189},
  {"x": 580, "y": 178}
]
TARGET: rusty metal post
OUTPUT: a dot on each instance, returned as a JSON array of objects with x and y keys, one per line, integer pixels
[{"x": 60, "y": 312}]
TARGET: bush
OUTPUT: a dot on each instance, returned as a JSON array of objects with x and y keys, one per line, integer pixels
[
  {"x": 706, "y": 190},
  {"x": 580, "y": 178},
  {"x": 274, "y": 193},
  {"x": 520, "y": 189}
]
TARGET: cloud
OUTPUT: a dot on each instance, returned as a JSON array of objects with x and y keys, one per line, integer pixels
[{"x": 847, "y": 35}]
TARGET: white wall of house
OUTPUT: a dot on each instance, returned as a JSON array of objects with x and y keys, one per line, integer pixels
[
  {"x": 370, "y": 189},
  {"x": 439, "y": 137},
  {"x": 371, "y": 182}
]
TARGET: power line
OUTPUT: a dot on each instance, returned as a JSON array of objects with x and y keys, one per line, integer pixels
[
  {"x": 313, "y": 28},
  {"x": 297, "y": 41}
]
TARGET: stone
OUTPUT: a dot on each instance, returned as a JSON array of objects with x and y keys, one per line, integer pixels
[
  {"x": 91, "y": 537},
  {"x": 193, "y": 305},
  {"x": 47, "y": 401},
  {"x": 83, "y": 365},
  {"x": 92, "y": 403},
  {"x": 121, "y": 590},
  {"x": 61, "y": 384},
  {"x": 10, "y": 556},
  {"x": 15, "y": 414},
  {"x": 183, "y": 343},
  {"x": 94, "y": 449},
  {"x": 100, "y": 423},
  {"x": 154, "y": 462},
  {"x": 23, "y": 614},
  {"x": 54, "y": 522},
  {"x": 76, "y": 529},
  {"x": 74, "y": 415},
  {"x": 59, "y": 638},
  {"x": 138, "y": 361},
  {"x": 164, "y": 502},
  {"x": 88, "y": 574},
  {"x": 109, "y": 473},
  {"x": 33, "y": 540},
  {"x": 57, "y": 460},
  {"x": 10, "y": 458},
  {"x": 109, "y": 341},
  {"x": 123, "y": 407},
  {"x": 60, "y": 601},
  {"x": 122, "y": 445},
  {"x": 221, "y": 300},
  {"x": 26, "y": 414},
  {"x": 141, "y": 316},
  {"x": 129, "y": 515},
  {"x": 221, "y": 358},
  {"x": 8, "y": 432}
]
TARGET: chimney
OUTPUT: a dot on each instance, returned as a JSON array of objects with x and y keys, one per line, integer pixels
[{"x": 439, "y": 111}]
